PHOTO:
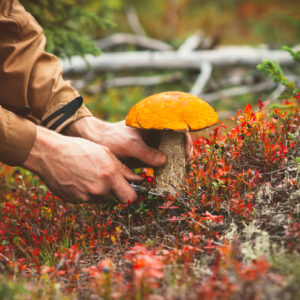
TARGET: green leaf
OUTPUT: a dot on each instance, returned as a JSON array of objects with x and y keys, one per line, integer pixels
[
  {"x": 294, "y": 54},
  {"x": 70, "y": 25},
  {"x": 274, "y": 71}
]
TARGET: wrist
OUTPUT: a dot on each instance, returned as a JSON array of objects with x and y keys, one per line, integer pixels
[
  {"x": 87, "y": 128},
  {"x": 46, "y": 143}
]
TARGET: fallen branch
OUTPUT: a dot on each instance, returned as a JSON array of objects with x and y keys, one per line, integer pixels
[
  {"x": 191, "y": 43},
  {"x": 280, "y": 88},
  {"x": 133, "y": 21},
  {"x": 174, "y": 60},
  {"x": 202, "y": 79},
  {"x": 240, "y": 90},
  {"x": 135, "y": 81},
  {"x": 118, "y": 39}
]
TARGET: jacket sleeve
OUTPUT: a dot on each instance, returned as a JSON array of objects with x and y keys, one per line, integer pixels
[
  {"x": 29, "y": 76},
  {"x": 17, "y": 136}
]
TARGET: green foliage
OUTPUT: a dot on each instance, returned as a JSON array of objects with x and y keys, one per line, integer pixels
[
  {"x": 294, "y": 54},
  {"x": 69, "y": 25},
  {"x": 274, "y": 71},
  {"x": 10, "y": 290}
]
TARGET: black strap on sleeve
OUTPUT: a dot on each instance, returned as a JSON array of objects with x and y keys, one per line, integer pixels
[{"x": 66, "y": 111}]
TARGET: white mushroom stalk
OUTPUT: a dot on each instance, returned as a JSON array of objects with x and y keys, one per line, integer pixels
[{"x": 170, "y": 177}]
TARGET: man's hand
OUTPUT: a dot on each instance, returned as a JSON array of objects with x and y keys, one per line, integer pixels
[
  {"x": 122, "y": 140},
  {"x": 78, "y": 170}
]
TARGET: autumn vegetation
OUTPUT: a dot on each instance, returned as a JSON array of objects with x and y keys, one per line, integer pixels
[
  {"x": 225, "y": 239},
  {"x": 234, "y": 234}
]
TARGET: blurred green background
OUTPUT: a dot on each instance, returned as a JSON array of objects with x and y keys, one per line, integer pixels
[
  {"x": 70, "y": 25},
  {"x": 274, "y": 22}
]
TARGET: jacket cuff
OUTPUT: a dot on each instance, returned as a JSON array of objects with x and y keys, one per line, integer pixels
[
  {"x": 17, "y": 138},
  {"x": 80, "y": 113}
]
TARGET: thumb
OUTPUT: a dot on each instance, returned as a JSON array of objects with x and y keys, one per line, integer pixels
[{"x": 150, "y": 156}]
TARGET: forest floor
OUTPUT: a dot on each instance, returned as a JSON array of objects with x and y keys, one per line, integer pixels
[{"x": 235, "y": 235}]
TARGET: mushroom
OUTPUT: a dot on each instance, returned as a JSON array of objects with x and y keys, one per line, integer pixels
[{"x": 172, "y": 114}]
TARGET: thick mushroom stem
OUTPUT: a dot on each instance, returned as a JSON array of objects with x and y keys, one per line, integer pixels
[{"x": 170, "y": 177}]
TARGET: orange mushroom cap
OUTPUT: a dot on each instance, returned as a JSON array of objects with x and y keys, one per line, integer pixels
[{"x": 176, "y": 111}]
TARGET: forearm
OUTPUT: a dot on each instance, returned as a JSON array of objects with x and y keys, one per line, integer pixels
[
  {"x": 47, "y": 143},
  {"x": 88, "y": 128}
]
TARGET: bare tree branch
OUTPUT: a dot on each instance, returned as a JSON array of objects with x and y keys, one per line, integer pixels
[
  {"x": 240, "y": 90},
  {"x": 135, "y": 81},
  {"x": 202, "y": 79},
  {"x": 173, "y": 60},
  {"x": 134, "y": 22},
  {"x": 191, "y": 43},
  {"x": 277, "y": 92},
  {"x": 280, "y": 88},
  {"x": 132, "y": 39}
]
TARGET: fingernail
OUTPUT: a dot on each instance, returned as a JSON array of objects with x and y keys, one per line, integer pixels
[{"x": 160, "y": 158}]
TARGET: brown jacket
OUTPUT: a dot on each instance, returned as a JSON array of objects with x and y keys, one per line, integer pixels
[{"x": 31, "y": 83}]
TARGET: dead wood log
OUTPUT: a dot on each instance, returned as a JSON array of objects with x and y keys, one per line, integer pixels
[
  {"x": 134, "y": 81},
  {"x": 118, "y": 39},
  {"x": 134, "y": 21},
  {"x": 191, "y": 43},
  {"x": 202, "y": 79},
  {"x": 239, "y": 90},
  {"x": 173, "y": 60}
]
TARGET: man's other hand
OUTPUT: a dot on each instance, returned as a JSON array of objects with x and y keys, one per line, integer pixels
[
  {"x": 78, "y": 170},
  {"x": 123, "y": 141}
]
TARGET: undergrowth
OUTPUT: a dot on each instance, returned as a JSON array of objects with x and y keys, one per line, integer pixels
[
  {"x": 234, "y": 234},
  {"x": 165, "y": 246}
]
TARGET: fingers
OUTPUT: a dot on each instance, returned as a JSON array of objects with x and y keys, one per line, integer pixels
[
  {"x": 120, "y": 186},
  {"x": 125, "y": 171},
  {"x": 188, "y": 146},
  {"x": 148, "y": 155},
  {"x": 123, "y": 190}
]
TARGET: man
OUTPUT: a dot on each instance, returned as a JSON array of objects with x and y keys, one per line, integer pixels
[{"x": 83, "y": 164}]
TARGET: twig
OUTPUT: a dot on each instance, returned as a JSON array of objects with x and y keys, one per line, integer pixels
[
  {"x": 234, "y": 77},
  {"x": 191, "y": 43},
  {"x": 133, "y": 21},
  {"x": 240, "y": 90},
  {"x": 202, "y": 79},
  {"x": 4, "y": 257},
  {"x": 85, "y": 81},
  {"x": 279, "y": 90},
  {"x": 132, "y": 39},
  {"x": 136, "y": 81}
]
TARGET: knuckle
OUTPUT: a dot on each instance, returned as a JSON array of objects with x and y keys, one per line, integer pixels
[
  {"x": 95, "y": 190},
  {"x": 108, "y": 174},
  {"x": 98, "y": 190}
]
